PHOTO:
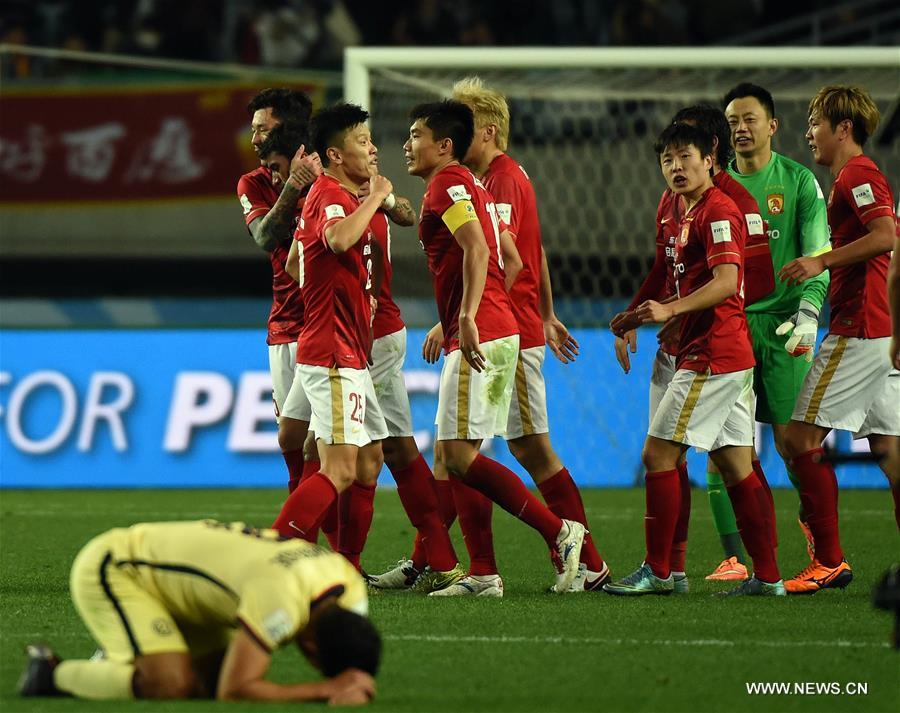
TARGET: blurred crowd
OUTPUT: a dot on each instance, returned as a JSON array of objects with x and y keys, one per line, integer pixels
[{"x": 313, "y": 33}]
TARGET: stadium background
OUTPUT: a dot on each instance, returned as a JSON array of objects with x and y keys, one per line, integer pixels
[{"x": 128, "y": 278}]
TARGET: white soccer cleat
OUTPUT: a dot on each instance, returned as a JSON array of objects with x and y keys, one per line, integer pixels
[
  {"x": 680, "y": 581},
  {"x": 586, "y": 580},
  {"x": 566, "y": 554},
  {"x": 489, "y": 585},
  {"x": 403, "y": 576}
]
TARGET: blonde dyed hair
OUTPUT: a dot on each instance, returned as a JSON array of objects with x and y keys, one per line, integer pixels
[
  {"x": 842, "y": 102},
  {"x": 488, "y": 105}
]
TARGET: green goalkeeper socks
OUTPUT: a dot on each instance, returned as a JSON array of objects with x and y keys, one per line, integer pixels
[{"x": 723, "y": 516}]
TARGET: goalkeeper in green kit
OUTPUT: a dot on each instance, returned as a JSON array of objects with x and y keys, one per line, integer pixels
[{"x": 784, "y": 324}]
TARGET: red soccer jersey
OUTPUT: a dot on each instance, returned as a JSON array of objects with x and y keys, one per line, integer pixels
[
  {"x": 517, "y": 207},
  {"x": 257, "y": 196},
  {"x": 759, "y": 273},
  {"x": 335, "y": 287},
  {"x": 494, "y": 319},
  {"x": 387, "y": 316},
  {"x": 858, "y": 292},
  {"x": 712, "y": 234}
]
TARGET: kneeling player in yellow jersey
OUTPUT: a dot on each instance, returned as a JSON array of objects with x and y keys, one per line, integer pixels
[{"x": 195, "y": 609}]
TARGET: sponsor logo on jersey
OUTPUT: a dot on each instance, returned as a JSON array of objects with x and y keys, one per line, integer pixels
[
  {"x": 458, "y": 193},
  {"x": 246, "y": 204},
  {"x": 721, "y": 231},
  {"x": 775, "y": 203},
  {"x": 334, "y": 211},
  {"x": 863, "y": 195},
  {"x": 754, "y": 223}
]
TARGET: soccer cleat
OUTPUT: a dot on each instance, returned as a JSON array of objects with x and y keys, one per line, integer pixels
[
  {"x": 641, "y": 581},
  {"x": 403, "y": 576},
  {"x": 489, "y": 585},
  {"x": 729, "y": 570},
  {"x": 586, "y": 580},
  {"x": 810, "y": 540},
  {"x": 753, "y": 587},
  {"x": 37, "y": 678},
  {"x": 432, "y": 580},
  {"x": 680, "y": 582},
  {"x": 817, "y": 576},
  {"x": 565, "y": 555}
]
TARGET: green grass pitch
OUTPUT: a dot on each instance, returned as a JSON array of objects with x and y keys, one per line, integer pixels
[{"x": 530, "y": 651}]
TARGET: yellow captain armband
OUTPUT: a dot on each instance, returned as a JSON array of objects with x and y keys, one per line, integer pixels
[{"x": 459, "y": 214}]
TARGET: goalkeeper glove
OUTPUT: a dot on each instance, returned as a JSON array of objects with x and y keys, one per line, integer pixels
[{"x": 802, "y": 327}]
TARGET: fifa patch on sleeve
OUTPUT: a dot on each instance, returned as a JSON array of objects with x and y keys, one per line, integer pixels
[
  {"x": 721, "y": 231},
  {"x": 458, "y": 193},
  {"x": 246, "y": 204},
  {"x": 458, "y": 215},
  {"x": 754, "y": 223},
  {"x": 334, "y": 211},
  {"x": 863, "y": 195},
  {"x": 504, "y": 210},
  {"x": 278, "y": 625}
]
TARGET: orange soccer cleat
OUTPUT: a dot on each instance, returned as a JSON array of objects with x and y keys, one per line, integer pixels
[
  {"x": 817, "y": 576},
  {"x": 729, "y": 570}
]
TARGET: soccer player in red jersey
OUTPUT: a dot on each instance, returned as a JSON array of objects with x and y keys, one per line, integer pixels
[
  {"x": 271, "y": 208},
  {"x": 851, "y": 386},
  {"x": 893, "y": 461},
  {"x": 531, "y": 299},
  {"x": 708, "y": 403},
  {"x": 460, "y": 232},
  {"x": 332, "y": 249},
  {"x": 660, "y": 285}
]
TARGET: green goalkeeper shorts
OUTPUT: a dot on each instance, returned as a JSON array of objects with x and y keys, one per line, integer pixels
[{"x": 778, "y": 377}]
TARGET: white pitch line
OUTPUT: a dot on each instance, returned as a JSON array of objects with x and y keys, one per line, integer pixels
[{"x": 589, "y": 640}]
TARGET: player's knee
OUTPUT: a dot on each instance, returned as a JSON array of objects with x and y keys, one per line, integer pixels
[
  {"x": 399, "y": 452},
  {"x": 310, "y": 448},
  {"x": 291, "y": 434},
  {"x": 796, "y": 442},
  {"x": 457, "y": 459},
  {"x": 369, "y": 465}
]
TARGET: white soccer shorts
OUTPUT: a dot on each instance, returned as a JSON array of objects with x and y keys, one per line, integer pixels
[
  {"x": 475, "y": 405},
  {"x": 850, "y": 387},
  {"x": 282, "y": 366},
  {"x": 660, "y": 378},
  {"x": 345, "y": 410},
  {"x": 388, "y": 355},
  {"x": 528, "y": 403},
  {"x": 706, "y": 411}
]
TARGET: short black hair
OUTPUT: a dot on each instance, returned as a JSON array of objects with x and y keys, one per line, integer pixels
[
  {"x": 681, "y": 135},
  {"x": 330, "y": 125},
  {"x": 284, "y": 140},
  {"x": 712, "y": 121},
  {"x": 286, "y": 104},
  {"x": 346, "y": 640},
  {"x": 448, "y": 119},
  {"x": 746, "y": 89}
]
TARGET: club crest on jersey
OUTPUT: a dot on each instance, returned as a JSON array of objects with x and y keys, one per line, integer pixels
[
  {"x": 458, "y": 193},
  {"x": 683, "y": 238},
  {"x": 775, "y": 203}
]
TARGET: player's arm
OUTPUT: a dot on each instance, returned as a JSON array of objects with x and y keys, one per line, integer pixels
[
  {"x": 292, "y": 263},
  {"x": 879, "y": 240},
  {"x": 723, "y": 285},
  {"x": 400, "y": 211},
  {"x": 556, "y": 334},
  {"x": 378, "y": 259},
  {"x": 243, "y": 677},
  {"x": 275, "y": 227},
  {"x": 343, "y": 234},
  {"x": 471, "y": 239},
  {"x": 512, "y": 261},
  {"x": 894, "y": 301}
]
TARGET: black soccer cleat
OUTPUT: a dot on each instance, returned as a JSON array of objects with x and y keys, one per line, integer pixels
[{"x": 37, "y": 678}]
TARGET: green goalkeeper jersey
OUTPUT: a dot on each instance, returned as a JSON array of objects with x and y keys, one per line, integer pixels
[{"x": 792, "y": 203}]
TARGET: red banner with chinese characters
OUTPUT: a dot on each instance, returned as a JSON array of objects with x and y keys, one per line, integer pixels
[{"x": 125, "y": 143}]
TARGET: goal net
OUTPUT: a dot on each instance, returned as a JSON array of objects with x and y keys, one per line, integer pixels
[{"x": 583, "y": 122}]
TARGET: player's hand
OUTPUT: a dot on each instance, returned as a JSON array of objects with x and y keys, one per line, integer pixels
[
  {"x": 653, "y": 311},
  {"x": 380, "y": 187},
  {"x": 670, "y": 331},
  {"x": 468, "y": 344},
  {"x": 624, "y": 322},
  {"x": 803, "y": 328},
  {"x": 351, "y": 687},
  {"x": 305, "y": 168},
  {"x": 628, "y": 341},
  {"x": 894, "y": 353},
  {"x": 802, "y": 269},
  {"x": 433, "y": 344},
  {"x": 561, "y": 343}
]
